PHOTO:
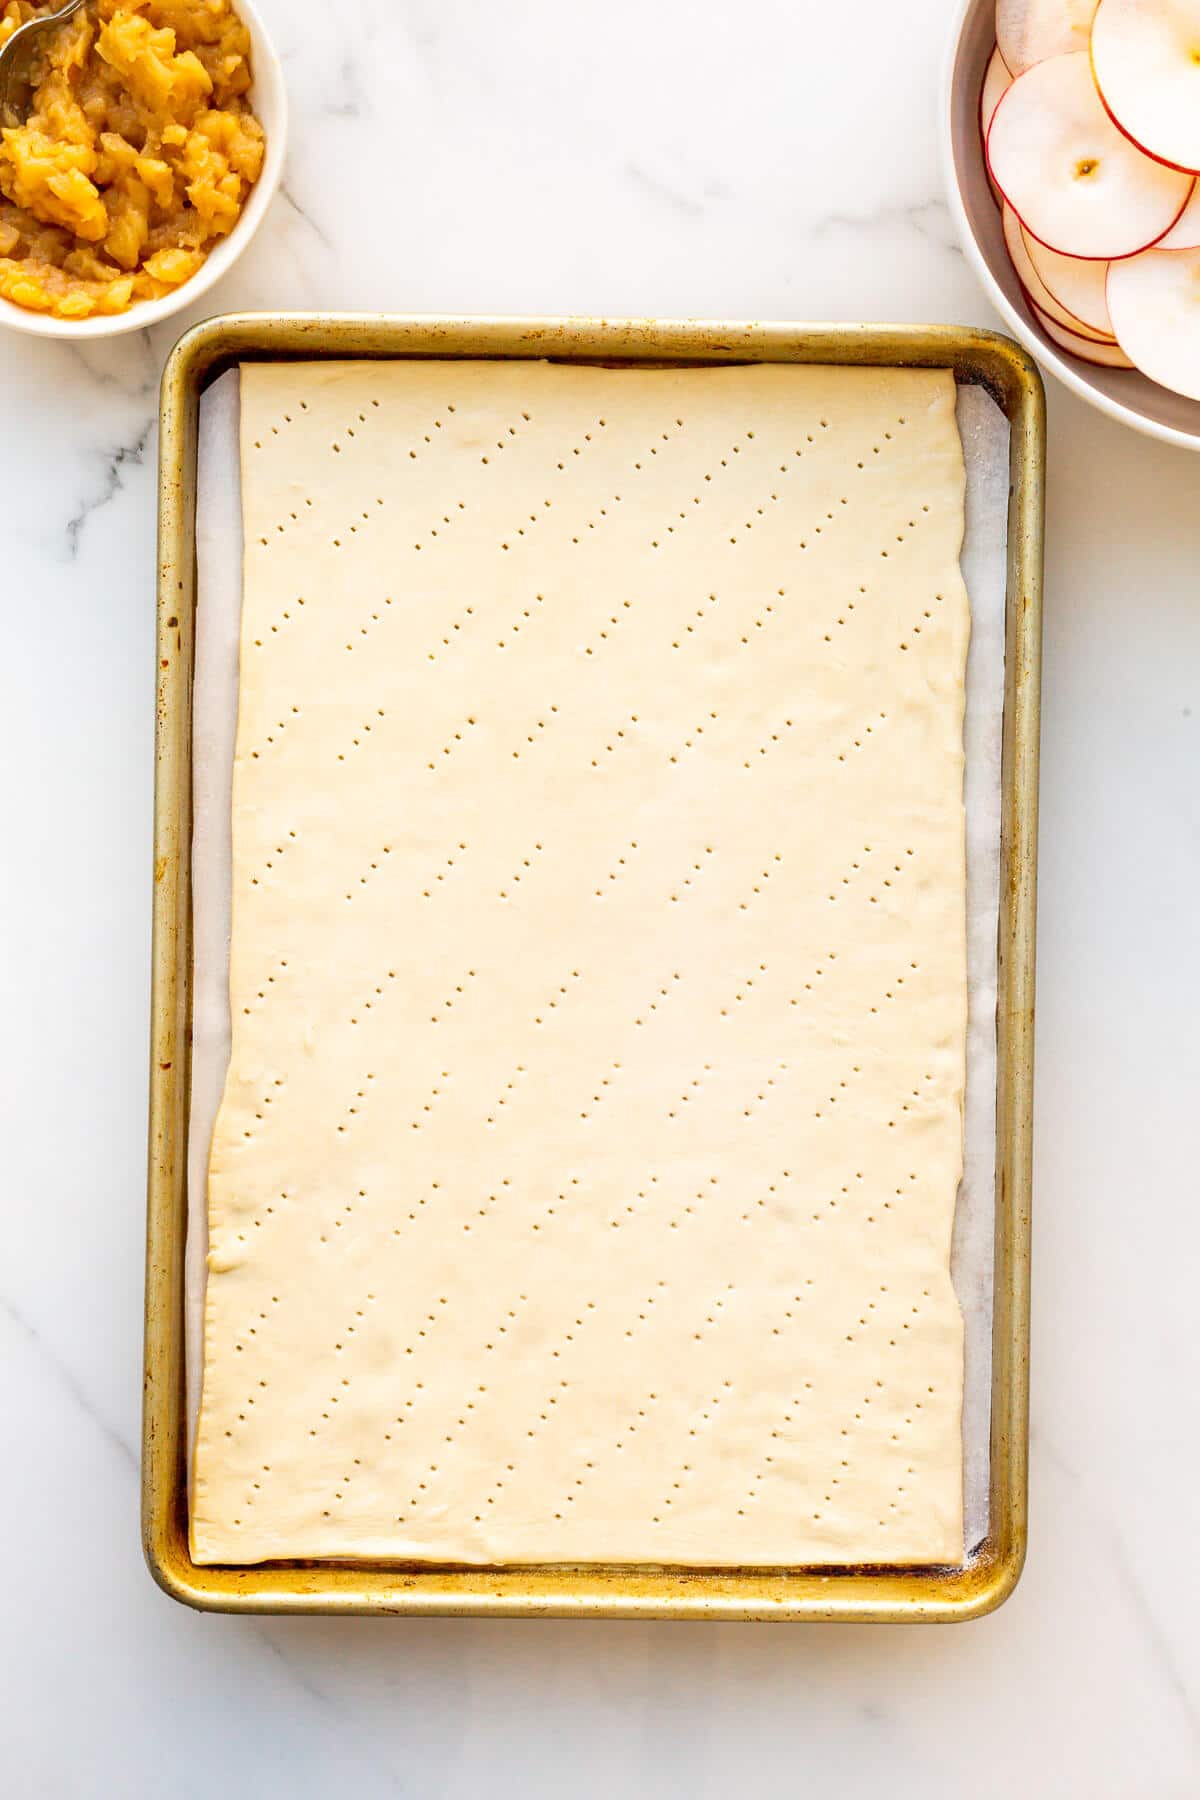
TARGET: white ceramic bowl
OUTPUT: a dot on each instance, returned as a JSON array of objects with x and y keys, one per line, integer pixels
[
  {"x": 1122, "y": 394},
  {"x": 268, "y": 96}
]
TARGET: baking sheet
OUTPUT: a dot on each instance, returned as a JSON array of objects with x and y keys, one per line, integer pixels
[{"x": 985, "y": 437}]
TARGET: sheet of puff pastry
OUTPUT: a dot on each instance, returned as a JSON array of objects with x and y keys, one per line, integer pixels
[{"x": 583, "y": 1184}]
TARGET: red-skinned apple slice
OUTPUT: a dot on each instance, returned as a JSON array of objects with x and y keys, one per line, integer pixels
[
  {"x": 1104, "y": 356},
  {"x": 1029, "y": 31},
  {"x": 1075, "y": 182},
  {"x": 1146, "y": 63},
  {"x": 996, "y": 82},
  {"x": 1185, "y": 232},
  {"x": 1077, "y": 284},
  {"x": 1035, "y": 288},
  {"x": 1154, "y": 300}
]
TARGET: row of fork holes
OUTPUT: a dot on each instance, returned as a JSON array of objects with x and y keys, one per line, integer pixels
[
  {"x": 577, "y": 450},
  {"x": 707, "y": 1415},
  {"x": 527, "y": 613}
]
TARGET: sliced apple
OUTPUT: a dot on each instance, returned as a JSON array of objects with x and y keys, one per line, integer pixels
[
  {"x": 1029, "y": 31},
  {"x": 1146, "y": 59},
  {"x": 1105, "y": 356},
  {"x": 1154, "y": 300},
  {"x": 1035, "y": 288},
  {"x": 1076, "y": 283},
  {"x": 996, "y": 82},
  {"x": 1185, "y": 232},
  {"x": 1075, "y": 182}
]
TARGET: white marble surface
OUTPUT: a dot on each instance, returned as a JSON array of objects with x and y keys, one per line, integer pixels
[{"x": 774, "y": 160}]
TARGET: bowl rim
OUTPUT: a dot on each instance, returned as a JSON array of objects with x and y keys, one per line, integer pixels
[
  {"x": 268, "y": 83},
  {"x": 1022, "y": 328}
]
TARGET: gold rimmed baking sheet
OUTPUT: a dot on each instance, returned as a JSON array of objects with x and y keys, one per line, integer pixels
[{"x": 882, "y": 1593}]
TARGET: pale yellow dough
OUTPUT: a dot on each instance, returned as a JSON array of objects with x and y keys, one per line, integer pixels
[{"x": 584, "y": 1181}]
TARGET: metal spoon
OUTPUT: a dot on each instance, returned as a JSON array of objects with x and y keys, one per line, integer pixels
[{"x": 15, "y": 87}]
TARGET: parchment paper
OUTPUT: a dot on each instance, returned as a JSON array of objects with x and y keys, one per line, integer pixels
[{"x": 985, "y": 435}]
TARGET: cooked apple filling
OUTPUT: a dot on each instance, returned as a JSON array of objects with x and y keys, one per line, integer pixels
[{"x": 136, "y": 158}]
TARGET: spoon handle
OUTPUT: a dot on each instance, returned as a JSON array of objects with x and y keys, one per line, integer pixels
[{"x": 11, "y": 51}]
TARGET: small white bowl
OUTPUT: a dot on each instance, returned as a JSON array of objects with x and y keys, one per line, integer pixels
[
  {"x": 1123, "y": 394},
  {"x": 268, "y": 97}
]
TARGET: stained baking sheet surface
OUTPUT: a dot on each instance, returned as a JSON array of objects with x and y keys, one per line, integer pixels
[{"x": 984, "y": 432}]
